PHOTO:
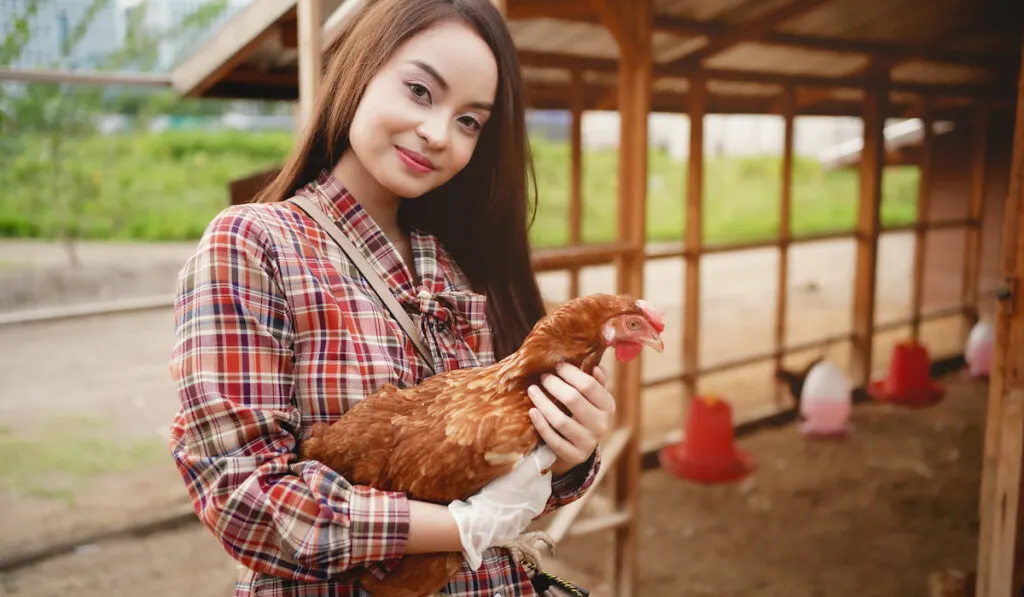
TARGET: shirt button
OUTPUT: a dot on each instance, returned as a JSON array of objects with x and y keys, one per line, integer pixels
[{"x": 423, "y": 294}]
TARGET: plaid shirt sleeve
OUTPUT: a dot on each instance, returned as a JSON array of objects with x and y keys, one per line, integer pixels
[
  {"x": 234, "y": 437},
  {"x": 574, "y": 483}
]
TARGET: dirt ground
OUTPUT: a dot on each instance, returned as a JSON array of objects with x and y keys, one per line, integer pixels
[
  {"x": 85, "y": 403},
  {"x": 872, "y": 515}
]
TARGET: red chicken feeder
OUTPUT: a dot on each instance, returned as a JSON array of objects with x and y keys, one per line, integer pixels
[
  {"x": 909, "y": 382},
  {"x": 707, "y": 453}
]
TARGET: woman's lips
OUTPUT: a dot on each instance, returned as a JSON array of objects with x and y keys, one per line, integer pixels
[{"x": 416, "y": 161}]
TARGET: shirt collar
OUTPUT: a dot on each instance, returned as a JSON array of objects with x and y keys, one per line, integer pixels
[{"x": 339, "y": 204}]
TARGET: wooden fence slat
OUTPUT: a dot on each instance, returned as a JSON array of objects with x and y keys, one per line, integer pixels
[
  {"x": 924, "y": 203},
  {"x": 868, "y": 228},
  {"x": 785, "y": 214}
]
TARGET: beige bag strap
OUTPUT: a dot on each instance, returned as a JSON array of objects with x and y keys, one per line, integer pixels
[{"x": 371, "y": 276}]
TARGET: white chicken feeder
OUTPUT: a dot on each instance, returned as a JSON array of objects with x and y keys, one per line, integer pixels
[
  {"x": 978, "y": 352},
  {"x": 826, "y": 401}
]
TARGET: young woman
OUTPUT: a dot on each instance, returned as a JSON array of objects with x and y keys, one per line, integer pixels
[{"x": 417, "y": 149}]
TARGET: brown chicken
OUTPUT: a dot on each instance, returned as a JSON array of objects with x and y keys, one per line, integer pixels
[{"x": 447, "y": 437}]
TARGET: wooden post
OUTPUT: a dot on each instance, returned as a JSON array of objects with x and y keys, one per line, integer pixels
[
  {"x": 999, "y": 546},
  {"x": 785, "y": 210},
  {"x": 310, "y": 23},
  {"x": 871, "y": 162},
  {"x": 635, "y": 83},
  {"x": 923, "y": 216},
  {"x": 975, "y": 213},
  {"x": 611, "y": 13},
  {"x": 576, "y": 175},
  {"x": 692, "y": 240}
]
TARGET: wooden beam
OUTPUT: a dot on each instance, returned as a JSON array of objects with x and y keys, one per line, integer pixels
[
  {"x": 548, "y": 96},
  {"x": 571, "y": 62},
  {"x": 881, "y": 50},
  {"x": 976, "y": 214},
  {"x": 868, "y": 225},
  {"x": 888, "y": 59},
  {"x": 234, "y": 41},
  {"x": 715, "y": 31},
  {"x": 310, "y": 23},
  {"x": 609, "y": 98},
  {"x": 746, "y": 32},
  {"x": 577, "y": 104},
  {"x": 556, "y": 96},
  {"x": 614, "y": 520},
  {"x": 785, "y": 214},
  {"x": 614, "y": 15},
  {"x": 592, "y": 254},
  {"x": 83, "y": 77},
  {"x": 246, "y": 74},
  {"x": 960, "y": 90},
  {"x": 581, "y": 11},
  {"x": 692, "y": 232},
  {"x": 999, "y": 543},
  {"x": 924, "y": 196},
  {"x": 635, "y": 83}
]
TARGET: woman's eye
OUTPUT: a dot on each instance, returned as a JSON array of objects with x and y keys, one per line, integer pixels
[
  {"x": 471, "y": 123},
  {"x": 419, "y": 90}
]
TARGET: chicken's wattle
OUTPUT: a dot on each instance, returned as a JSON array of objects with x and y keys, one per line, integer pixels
[{"x": 627, "y": 351}]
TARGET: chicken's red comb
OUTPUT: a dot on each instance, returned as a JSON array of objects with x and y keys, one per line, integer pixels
[{"x": 654, "y": 314}]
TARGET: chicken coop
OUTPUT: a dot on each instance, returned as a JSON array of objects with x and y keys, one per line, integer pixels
[{"x": 952, "y": 67}]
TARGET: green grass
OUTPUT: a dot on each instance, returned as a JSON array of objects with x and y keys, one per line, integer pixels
[
  {"x": 62, "y": 453},
  {"x": 167, "y": 186},
  {"x": 741, "y": 197},
  {"x": 136, "y": 187}
]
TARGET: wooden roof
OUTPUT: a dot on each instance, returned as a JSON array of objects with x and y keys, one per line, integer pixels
[{"x": 750, "y": 51}]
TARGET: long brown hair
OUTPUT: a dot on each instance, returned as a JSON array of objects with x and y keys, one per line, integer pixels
[{"x": 483, "y": 214}]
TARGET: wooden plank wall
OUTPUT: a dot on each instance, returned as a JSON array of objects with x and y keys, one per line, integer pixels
[
  {"x": 950, "y": 185},
  {"x": 1000, "y": 548}
]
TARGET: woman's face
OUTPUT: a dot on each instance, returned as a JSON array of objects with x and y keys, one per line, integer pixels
[{"x": 422, "y": 114}]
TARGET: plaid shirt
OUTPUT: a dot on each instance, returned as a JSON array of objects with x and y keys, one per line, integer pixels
[{"x": 272, "y": 337}]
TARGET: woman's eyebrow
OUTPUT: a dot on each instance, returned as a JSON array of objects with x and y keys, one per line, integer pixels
[{"x": 430, "y": 70}]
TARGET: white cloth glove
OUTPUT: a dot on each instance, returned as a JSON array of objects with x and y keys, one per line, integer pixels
[{"x": 503, "y": 509}]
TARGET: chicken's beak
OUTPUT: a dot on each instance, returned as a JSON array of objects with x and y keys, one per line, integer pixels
[{"x": 655, "y": 342}]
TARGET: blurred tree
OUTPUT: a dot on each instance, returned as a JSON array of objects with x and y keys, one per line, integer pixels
[{"x": 60, "y": 114}]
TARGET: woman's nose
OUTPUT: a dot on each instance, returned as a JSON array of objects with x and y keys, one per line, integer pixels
[{"x": 434, "y": 131}]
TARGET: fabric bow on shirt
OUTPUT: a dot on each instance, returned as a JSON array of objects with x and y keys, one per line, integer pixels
[{"x": 445, "y": 318}]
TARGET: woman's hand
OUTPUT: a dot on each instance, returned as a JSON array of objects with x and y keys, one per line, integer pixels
[{"x": 572, "y": 439}]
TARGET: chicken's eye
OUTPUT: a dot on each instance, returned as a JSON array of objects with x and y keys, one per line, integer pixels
[{"x": 634, "y": 324}]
